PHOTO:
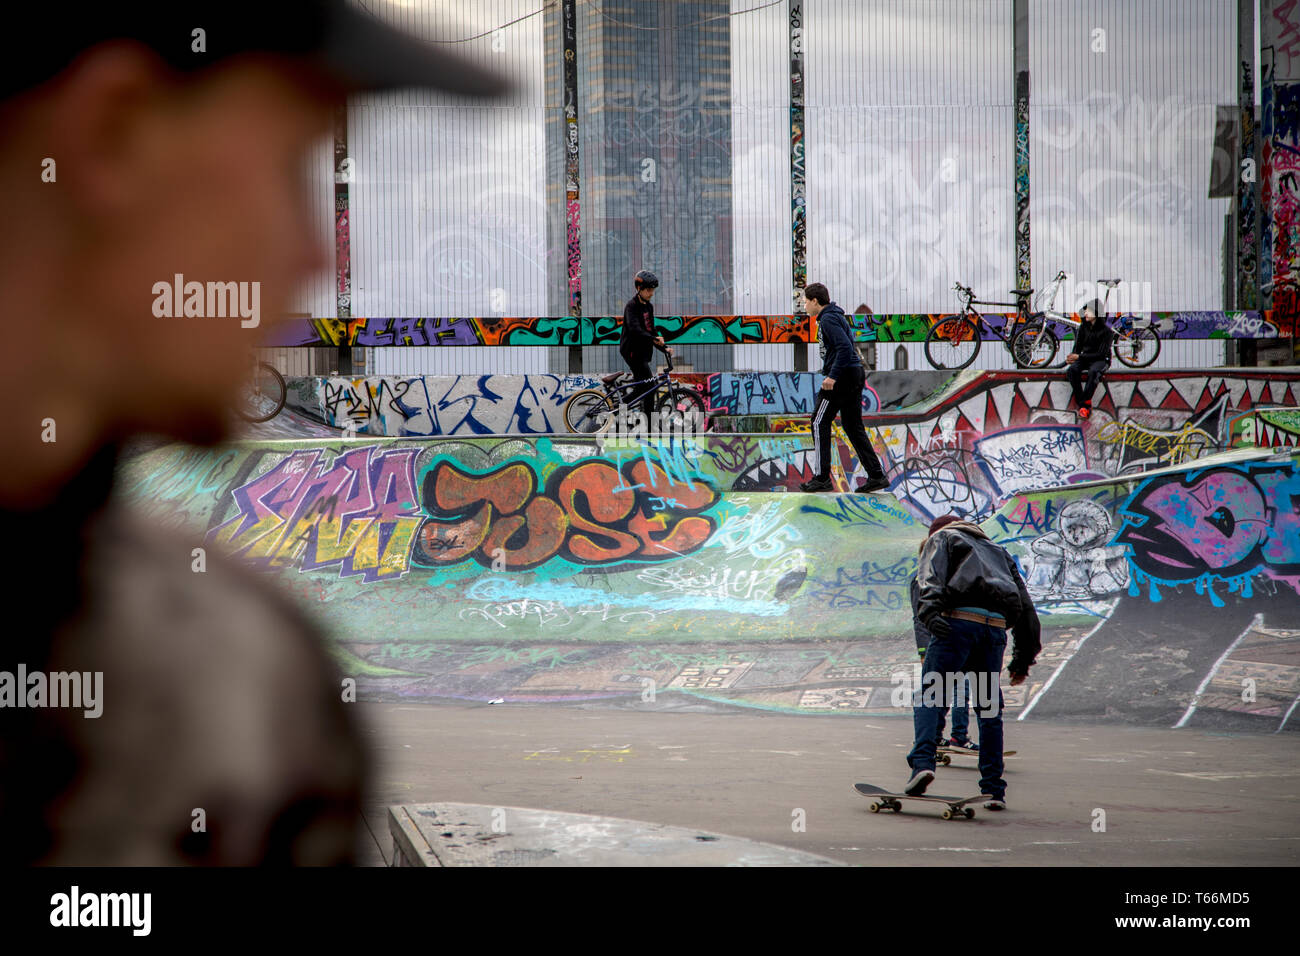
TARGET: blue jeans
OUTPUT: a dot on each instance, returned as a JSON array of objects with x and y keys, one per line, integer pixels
[
  {"x": 970, "y": 648},
  {"x": 960, "y": 716}
]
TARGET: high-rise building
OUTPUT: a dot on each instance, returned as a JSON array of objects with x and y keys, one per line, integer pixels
[{"x": 654, "y": 136}]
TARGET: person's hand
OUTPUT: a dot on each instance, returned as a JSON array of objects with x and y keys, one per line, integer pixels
[
  {"x": 659, "y": 341},
  {"x": 939, "y": 626},
  {"x": 1072, "y": 357},
  {"x": 828, "y": 384},
  {"x": 668, "y": 351},
  {"x": 1018, "y": 679}
]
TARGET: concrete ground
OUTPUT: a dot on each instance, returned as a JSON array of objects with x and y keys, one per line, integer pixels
[{"x": 1166, "y": 797}]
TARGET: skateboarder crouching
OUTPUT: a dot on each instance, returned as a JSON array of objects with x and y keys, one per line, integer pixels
[{"x": 969, "y": 592}]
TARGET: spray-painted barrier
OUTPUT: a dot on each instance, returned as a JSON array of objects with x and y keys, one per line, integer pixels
[
  {"x": 985, "y": 436},
  {"x": 707, "y": 329},
  {"x": 534, "y": 404}
]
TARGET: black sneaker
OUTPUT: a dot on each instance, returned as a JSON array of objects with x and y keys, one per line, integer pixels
[
  {"x": 817, "y": 484},
  {"x": 872, "y": 484},
  {"x": 920, "y": 780}
]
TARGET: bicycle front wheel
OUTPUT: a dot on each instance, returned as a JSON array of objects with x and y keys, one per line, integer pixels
[
  {"x": 263, "y": 395},
  {"x": 1034, "y": 346},
  {"x": 683, "y": 402},
  {"x": 588, "y": 412},
  {"x": 952, "y": 343},
  {"x": 1137, "y": 348}
]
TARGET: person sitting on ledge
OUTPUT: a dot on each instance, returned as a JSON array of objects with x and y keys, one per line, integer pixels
[{"x": 1091, "y": 356}]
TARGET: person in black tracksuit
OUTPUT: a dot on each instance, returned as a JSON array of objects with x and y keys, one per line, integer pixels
[
  {"x": 1091, "y": 356},
  {"x": 639, "y": 338},
  {"x": 840, "y": 394}
]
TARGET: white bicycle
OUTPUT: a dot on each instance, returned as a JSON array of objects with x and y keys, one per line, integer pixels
[{"x": 1136, "y": 345}]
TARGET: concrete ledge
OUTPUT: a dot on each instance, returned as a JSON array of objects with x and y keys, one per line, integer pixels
[{"x": 470, "y": 834}]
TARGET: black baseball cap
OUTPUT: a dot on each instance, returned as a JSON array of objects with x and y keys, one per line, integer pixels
[{"x": 342, "y": 42}]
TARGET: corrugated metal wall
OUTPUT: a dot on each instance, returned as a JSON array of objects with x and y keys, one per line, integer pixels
[
  {"x": 449, "y": 200},
  {"x": 910, "y": 134},
  {"x": 760, "y": 163},
  {"x": 910, "y": 164},
  {"x": 1121, "y": 119},
  {"x": 1175, "y": 353}
]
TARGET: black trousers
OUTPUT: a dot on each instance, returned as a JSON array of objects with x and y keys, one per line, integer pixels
[
  {"x": 1094, "y": 371},
  {"x": 845, "y": 400},
  {"x": 639, "y": 363}
]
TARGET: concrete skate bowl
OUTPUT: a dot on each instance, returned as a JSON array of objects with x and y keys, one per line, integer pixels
[{"x": 581, "y": 571}]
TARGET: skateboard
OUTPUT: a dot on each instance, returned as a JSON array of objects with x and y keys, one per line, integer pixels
[
  {"x": 944, "y": 754},
  {"x": 882, "y": 799}
]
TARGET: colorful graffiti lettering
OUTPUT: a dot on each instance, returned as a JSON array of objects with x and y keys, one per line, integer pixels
[
  {"x": 1223, "y": 524},
  {"x": 1036, "y": 457},
  {"x": 1279, "y": 322},
  {"x": 357, "y": 511},
  {"x": 771, "y": 393},
  {"x": 591, "y": 514}
]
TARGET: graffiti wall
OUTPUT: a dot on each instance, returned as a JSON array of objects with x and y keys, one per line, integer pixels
[
  {"x": 566, "y": 570},
  {"x": 536, "y": 330},
  {"x": 1272, "y": 428},
  {"x": 979, "y": 440},
  {"x": 524, "y": 539},
  {"x": 534, "y": 404},
  {"x": 712, "y": 329},
  {"x": 1280, "y": 189},
  {"x": 1000, "y": 434}
]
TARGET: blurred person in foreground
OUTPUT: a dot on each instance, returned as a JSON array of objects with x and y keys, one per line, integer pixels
[{"x": 174, "y": 154}]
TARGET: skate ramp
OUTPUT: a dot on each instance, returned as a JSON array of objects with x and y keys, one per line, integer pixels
[
  {"x": 678, "y": 572},
  {"x": 588, "y": 571}
]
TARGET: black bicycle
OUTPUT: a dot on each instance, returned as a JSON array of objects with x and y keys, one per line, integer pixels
[
  {"x": 592, "y": 410},
  {"x": 953, "y": 342},
  {"x": 262, "y": 394}
]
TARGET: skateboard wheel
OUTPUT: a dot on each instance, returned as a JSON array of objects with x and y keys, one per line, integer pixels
[
  {"x": 947, "y": 814},
  {"x": 897, "y": 808},
  {"x": 945, "y": 760},
  {"x": 970, "y": 814},
  {"x": 874, "y": 808}
]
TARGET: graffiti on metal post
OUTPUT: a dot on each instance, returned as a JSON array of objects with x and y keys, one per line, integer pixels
[
  {"x": 572, "y": 218},
  {"x": 1023, "y": 278},
  {"x": 798, "y": 177}
]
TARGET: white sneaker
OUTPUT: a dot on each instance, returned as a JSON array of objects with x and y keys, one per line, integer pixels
[{"x": 995, "y": 804}]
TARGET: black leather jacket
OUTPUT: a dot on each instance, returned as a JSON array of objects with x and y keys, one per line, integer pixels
[{"x": 961, "y": 567}]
